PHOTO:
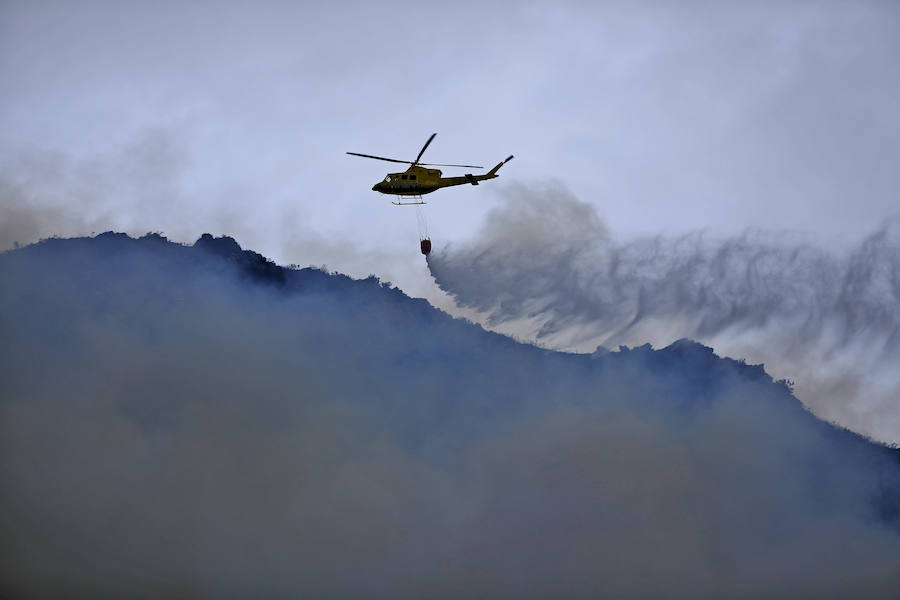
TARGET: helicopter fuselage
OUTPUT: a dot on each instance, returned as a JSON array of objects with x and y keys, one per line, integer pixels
[{"x": 416, "y": 181}]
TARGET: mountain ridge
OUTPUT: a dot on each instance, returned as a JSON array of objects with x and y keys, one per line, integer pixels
[{"x": 262, "y": 390}]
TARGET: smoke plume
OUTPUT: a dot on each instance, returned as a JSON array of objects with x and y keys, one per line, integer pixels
[
  {"x": 194, "y": 421},
  {"x": 544, "y": 266}
]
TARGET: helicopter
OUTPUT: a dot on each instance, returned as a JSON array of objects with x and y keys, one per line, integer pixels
[{"x": 417, "y": 180}]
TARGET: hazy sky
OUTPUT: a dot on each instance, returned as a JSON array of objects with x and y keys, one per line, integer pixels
[{"x": 234, "y": 117}]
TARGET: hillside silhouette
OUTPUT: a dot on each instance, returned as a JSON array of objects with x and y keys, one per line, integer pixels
[{"x": 195, "y": 419}]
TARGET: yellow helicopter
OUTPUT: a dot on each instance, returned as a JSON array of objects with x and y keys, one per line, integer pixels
[{"x": 417, "y": 180}]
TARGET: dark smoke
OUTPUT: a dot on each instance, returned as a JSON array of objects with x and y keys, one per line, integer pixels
[
  {"x": 545, "y": 265},
  {"x": 199, "y": 422}
]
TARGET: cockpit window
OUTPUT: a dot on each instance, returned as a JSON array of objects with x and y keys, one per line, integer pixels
[
  {"x": 403, "y": 177},
  {"x": 388, "y": 179}
]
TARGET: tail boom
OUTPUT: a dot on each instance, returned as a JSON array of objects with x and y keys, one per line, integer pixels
[
  {"x": 493, "y": 172},
  {"x": 474, "y": 179}
]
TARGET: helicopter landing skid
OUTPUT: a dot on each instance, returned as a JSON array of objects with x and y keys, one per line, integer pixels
[{"x": 415, "y": 200}]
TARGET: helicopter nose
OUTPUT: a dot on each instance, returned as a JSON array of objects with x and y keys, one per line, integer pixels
[{"x": 375, "y": 187}]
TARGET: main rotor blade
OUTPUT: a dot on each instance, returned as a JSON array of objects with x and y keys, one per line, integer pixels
[
  {"x": 406, "y": 162},
  {"x": 421, "y": 152},
  {"x": 437, "y": 165}
]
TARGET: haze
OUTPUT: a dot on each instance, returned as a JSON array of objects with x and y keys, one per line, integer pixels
[{"x": 234, "y": 118}]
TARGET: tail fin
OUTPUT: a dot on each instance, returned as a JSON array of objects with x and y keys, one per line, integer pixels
[{"x": 493, "y": 172}]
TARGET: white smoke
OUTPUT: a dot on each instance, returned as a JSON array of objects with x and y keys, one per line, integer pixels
[{"x": 544, "y": 266}]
